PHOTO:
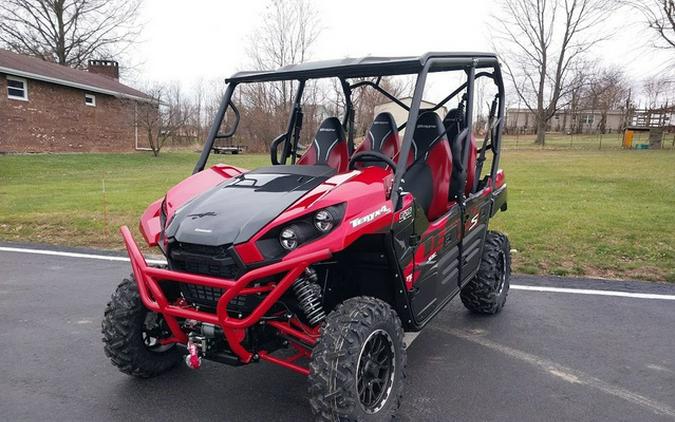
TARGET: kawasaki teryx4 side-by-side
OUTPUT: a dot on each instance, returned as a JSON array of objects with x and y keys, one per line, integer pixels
[{"x": 325, "y": 260}]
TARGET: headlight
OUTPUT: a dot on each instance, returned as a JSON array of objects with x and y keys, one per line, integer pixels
[
  {"x": 289, "y": 238},
  {"x": 282, "y": 239},
  {"x": 324, "y": 221}
]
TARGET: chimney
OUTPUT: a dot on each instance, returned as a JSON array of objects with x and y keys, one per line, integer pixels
[{"x": 109, "y": 68}]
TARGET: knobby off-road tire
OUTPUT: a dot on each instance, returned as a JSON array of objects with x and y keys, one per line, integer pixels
[
  {"x": 486, "y": 293},
  {"x": 345, "y": 369},
  {"x": 123, "y": 326}
]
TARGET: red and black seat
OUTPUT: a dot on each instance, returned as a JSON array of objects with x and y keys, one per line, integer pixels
[
  {"x": 455, "y": 122},
  {"x": 382, "y": 137},
  {"x": 428, "y": 178},
  {"x": 329, "y": 147}
]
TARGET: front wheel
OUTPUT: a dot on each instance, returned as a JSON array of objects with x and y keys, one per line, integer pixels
[
  {"x": 486, "y": 292},
  {"x": 132, "y": 335},
  {"x": 358, "y": 366}
]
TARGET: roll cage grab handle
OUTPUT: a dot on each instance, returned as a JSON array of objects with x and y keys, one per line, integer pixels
[
  {"x": 291, "y": 137},
  {"x": 215, "y": 128}
]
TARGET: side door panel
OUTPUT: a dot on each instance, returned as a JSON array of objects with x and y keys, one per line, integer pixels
[
  {"x": 435, "y": 275},
  {"x": 428, "y": 253},
  {"x": 403, "y": 230}
]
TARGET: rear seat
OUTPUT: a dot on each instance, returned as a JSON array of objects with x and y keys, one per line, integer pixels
[{"x": 454, "y": 122}]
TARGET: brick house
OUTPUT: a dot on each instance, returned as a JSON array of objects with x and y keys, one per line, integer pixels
[{"x": 45, "y": 107}]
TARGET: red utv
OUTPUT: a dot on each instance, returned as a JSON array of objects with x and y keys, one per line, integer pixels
[{"x": 322, "y": 262}]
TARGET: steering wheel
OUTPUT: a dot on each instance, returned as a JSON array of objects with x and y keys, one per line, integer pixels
[{"x": 371, "y": 156}]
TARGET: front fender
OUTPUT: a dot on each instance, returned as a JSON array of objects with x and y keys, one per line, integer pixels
[{"x": 150, "y": 225}]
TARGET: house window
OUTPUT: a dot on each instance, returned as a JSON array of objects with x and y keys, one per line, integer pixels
[
  {"x": 587, "y": 119},
  {"x": 17, "y": 88},
  {"x": 90, "y": 100}
]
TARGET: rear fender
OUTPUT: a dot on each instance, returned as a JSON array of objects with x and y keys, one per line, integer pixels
[{"x": 499, "y": 195}]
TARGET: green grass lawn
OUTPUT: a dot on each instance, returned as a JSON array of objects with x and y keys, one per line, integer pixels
[{"x": 607, "y": 213}]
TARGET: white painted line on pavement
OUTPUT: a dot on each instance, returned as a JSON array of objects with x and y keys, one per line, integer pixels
[
  {"x": 564, "y": 373},
  {"x": 592, "y": 292},
  {"x": 76, "y": 255},
  {"x": 513, "y": 286},
  {"x": 409, "y": 337}
]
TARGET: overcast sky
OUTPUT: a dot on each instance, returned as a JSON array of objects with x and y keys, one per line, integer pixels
[{"x": 206, "y": 39}]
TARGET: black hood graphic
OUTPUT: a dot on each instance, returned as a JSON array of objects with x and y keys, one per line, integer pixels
[{"x": 235, "y": 210}]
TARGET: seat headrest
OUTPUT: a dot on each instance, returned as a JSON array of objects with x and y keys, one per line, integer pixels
[
  {"x": 329, "y": 134},
  {"x": 383, "y": 125},
  {"x": 454, "y": 115},
  {"x": 428, "y": 127},
  {"x": 454, "y": 123}
]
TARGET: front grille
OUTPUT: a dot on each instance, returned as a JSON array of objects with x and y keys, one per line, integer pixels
[
  {"x": 214, "y": 261},
  {"x": 207, "y": 298},
  {"x": 203, "y": 296}
]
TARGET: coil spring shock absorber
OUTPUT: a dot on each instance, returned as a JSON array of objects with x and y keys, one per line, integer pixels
[{"x": 308, "y": 293}]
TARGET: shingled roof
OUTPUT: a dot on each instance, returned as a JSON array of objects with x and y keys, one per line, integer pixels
[{"x": 34, "y": 68}]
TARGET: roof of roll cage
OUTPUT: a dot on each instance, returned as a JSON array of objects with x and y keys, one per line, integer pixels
[{"x": 368, "y": 67}]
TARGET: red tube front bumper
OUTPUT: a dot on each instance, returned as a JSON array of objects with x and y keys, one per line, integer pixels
[{"x": 154, "y": 299}]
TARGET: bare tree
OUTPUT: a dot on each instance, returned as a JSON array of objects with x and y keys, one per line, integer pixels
[
  {"x": 286, "y": 35},
  {"x": 69, "y": 32},
  {"x": 167, "y": 117},
  {"x": 608, "y": 90},
  {"x": 660, "y": 17},
  {"x": 288, "y": 31},
  {"x": 542, "y": 43},
  {"x": 365, "y": 99},
  {"x": 659, "y": 91}
]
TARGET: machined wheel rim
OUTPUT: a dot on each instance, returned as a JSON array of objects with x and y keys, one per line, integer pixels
[
  {"x": 501, "y": 267},
  {"x": 154, "y": 329},
  {"x": 375, "y": 371}
]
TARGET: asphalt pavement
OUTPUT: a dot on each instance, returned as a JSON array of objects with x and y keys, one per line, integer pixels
[{"x": 549, "y": 356}]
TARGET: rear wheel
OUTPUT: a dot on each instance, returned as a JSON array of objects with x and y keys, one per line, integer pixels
[
  {"x": 486, "y": 293},
  {"x": 132, "y": 335},
  {"x": 358, "y": 365}
]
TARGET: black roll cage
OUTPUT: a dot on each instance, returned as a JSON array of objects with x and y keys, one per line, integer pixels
[{"x": 378, "y": 68}]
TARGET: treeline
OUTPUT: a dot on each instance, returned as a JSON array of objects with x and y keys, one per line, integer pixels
[
  {"x": 184, "y": 120},
  {"x": 546, "y": 46},
  {"x": 548, "y": 49}
]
